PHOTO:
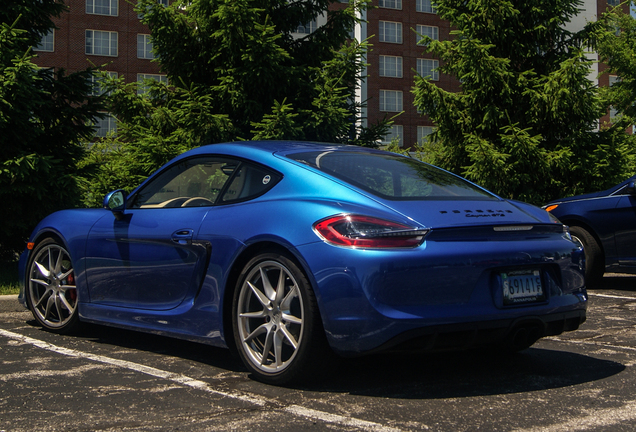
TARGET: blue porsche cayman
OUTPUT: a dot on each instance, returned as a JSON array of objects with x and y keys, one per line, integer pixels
[{"x": 289, "y": 252}]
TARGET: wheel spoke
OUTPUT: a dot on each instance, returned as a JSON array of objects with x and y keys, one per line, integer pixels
[
  {"x": 43, "y": 271},
  {"x": 44, "y": 297},
  {"x": 259, "y": 294},
  {"x": 58, "y": 264},
  {"x": 69, "y": 307},
  {"x": 291, "y": 295},
  {"x": 63, "y": 276},
  {"x": 267, "y": 346},
  {"x": 280, "y": 288},
  {"x": 292, "y": 319},
  {"x": 59, "y": 307},
  {"x": 41, "y": 282},
  {"x": 257, "y": 332},
  {"x": 50, "y": 256},
  {"x": 267, "y": 285},
  {"x": 249, "y": 315},
  {"x": 278, "y": 349},
  {"x": 290, "y": 338},
  {"x": 50, "y": 303}
]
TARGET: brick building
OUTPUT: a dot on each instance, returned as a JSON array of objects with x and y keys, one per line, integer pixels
[
  {"x": 109, "y": 33},
  {"x": 396, "y": 55},
  {"x": 104, "y": 33},
  {"x": 394, "y": 60}
]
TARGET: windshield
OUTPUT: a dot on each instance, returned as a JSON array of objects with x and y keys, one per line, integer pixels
[{"x": 392, "y": 176}]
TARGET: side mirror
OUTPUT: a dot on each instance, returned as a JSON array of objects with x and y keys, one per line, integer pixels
[
  {"x": 630, "y": 188},
  {"x": 116, "y": 202}
]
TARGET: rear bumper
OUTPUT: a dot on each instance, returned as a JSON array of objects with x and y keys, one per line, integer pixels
[
  {"x": 519, "y": 332},
  {"x": 442, "y": 295}
]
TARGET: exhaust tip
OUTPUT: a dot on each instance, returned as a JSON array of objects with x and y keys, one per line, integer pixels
[{"x": 524, "y": 336}]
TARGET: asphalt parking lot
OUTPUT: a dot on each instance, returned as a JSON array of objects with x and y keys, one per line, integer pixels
[{"x": 107, "y": 379}]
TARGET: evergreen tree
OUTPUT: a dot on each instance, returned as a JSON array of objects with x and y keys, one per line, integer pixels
[
  {"x": 237, "y": 71},
  {"x": 525, "y": 123},
  {"x": 246, "y": 52},
  {"x": 615, "y": 42},
  {"x": 44, "y": 117}
]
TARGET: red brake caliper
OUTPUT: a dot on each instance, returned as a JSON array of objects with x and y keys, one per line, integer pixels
[{"x": 70, "y": 280}]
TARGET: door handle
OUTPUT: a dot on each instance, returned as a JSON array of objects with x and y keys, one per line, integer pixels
[{"x": 183, "y": 236}]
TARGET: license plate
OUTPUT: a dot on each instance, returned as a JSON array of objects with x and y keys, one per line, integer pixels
[{"x": 522, "y": 286}]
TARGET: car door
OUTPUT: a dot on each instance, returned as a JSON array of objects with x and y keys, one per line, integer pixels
[
  {"x": 625, "y": 230},
  {"x": 149, "y": 257}
]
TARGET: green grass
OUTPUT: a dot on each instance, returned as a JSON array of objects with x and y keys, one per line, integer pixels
[{"x": 9, "y": 278}]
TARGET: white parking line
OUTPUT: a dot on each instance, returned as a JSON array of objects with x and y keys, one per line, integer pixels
[
  {"x": 603, "y": 418},
  {"x": 201, "y": 385},
  {"x": 611, "y": 296},
  {"x": 598, "y": 344}
]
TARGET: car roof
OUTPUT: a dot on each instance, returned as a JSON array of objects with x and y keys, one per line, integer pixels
[
  {"x": 263, "y": 148},
  {"x": 268, "y": 147}
]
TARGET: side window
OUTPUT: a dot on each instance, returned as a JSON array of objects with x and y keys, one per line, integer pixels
[
  {"x": 250, "y": 181},
  {"x": 189, "y": 183}
]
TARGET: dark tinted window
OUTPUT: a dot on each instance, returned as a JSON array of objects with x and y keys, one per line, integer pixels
[
  {"x": 249, "y": 181},
  {"x": 392, "y": 176},
  {"x": 188, "y": 183},
  {"x": 205, "y": 181}
]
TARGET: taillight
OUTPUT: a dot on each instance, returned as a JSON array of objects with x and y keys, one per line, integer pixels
[
  {"x": 368, "y": 232},
  {"x": 554, "y": 219}
]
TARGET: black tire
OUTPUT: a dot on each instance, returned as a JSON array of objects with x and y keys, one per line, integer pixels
[
  {"x": 594, "y": 258},
  {"x": 50, "y": 287},
  {"x": 277, "y": 327}
]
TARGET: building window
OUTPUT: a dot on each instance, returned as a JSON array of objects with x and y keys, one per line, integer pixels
[
  {"x": 390, "y": 32},
  {"x": 395, "y": 133},
  {"x": 105, "y": 126},
  {"x": 613, "y": 113},
  {"x": 46, "y": 43},
  {"x": 308, "y": 28},
  {"x": 427, "y": 68},
  {"x": 96, "y": 81},
  {"x": 422, "y": 134},
  {"x": 391, "y": 100},
  {"x": 101, "y": 43},
  {"x": 424, "y": 30},
  {"x": 613, "y": 2},
  {"x": 391, "y": 4},
  {"x": 102, "y": 7},
  {"x": 427, "y": 6},
  {"x": 390, "y": 66},
  {"x": 163, "y": 3},
  {"x": 144, "y": 47},
  {"x": 142, "y": 87}
]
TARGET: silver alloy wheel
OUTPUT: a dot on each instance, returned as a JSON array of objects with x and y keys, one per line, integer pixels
[
  {"x": 52, "y": 290},
  {"x": 270, "y": 317}
]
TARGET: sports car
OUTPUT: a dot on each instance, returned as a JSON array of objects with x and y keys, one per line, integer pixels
[
  {"x": 289, "y": 252},
  {"x": 605, "y": 224}
]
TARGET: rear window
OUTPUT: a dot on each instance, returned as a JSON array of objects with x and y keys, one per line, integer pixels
[{"x": 392, "y": 176}]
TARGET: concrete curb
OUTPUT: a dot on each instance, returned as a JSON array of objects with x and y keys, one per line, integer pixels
[{"x": 9, "y": 303}]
